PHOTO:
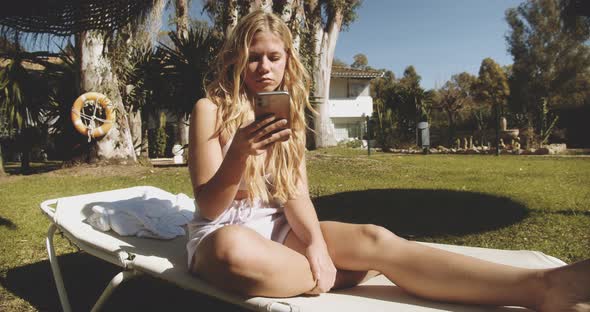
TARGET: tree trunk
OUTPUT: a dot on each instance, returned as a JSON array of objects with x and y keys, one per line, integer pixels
[
  {"x": 26, "y": 147},
  {"x": 96, "y": 75},
  {"x": 136, "y": 133},
  {"x": 181, "y": 18},
  {"x": 145, "y": 146},
  {"x": 265, "y": 5},
  {"x": 232, "y": 16},
  {"x": 325, "y": 48},
  {"x": 2, "y": 172},
  {"x": 182, "y": 124},
  {"x": 451, "y": 128},
  {"x": 293, "y": 15},
  {"x": 182, "y": 29},
  {"x": 497, "y": 126}
]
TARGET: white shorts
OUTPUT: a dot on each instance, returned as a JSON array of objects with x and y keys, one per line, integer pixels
[{"x": 270, "y": 222}]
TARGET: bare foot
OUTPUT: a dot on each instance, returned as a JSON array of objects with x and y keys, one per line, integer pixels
[{"x": 568, "y": 288}]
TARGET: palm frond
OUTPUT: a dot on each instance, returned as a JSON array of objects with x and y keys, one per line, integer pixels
[{"x": 186, "y": 65}]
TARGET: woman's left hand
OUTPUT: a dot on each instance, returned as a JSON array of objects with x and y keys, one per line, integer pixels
[{"x": 322, "y": 268}]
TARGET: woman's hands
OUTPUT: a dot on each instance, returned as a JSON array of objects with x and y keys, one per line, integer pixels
[
  {"x": 256, "y": 137},
  {"x": 322, "y": 268}
]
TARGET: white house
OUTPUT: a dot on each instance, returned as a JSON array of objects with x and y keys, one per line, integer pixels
[{"x": 350, "y": 101}]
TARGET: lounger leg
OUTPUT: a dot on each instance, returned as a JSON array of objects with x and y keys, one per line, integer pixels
[
  {"x": 61, "y": 290},
  {"x": 116, "y": 281}
]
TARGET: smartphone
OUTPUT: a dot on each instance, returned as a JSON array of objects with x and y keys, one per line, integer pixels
[{"x": 276, "y": 103}]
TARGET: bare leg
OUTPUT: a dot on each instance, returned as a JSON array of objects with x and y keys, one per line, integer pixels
[
  {"x": 568, "y": 288},
  {"x": 437, "y": 274},
  {"x": 239, "y": 259}
]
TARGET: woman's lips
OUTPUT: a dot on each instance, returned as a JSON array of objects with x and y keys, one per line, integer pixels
[{"x": 264, "y": 80}]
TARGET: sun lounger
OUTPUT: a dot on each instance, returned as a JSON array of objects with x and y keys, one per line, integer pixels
[{"x": 166, "y": 260}]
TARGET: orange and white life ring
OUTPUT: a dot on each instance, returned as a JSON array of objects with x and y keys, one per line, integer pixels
[{"x": 87, "y": 124}]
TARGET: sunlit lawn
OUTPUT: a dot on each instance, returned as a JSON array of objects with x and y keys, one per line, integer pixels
[{"x": 512, "y": 202}]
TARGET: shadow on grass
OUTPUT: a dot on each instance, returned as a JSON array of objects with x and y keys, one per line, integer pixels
[
  {"x": 417, "y": 213},
  {"x": 7, "y": 223},
  {"x": 85, "y": 277},
  {"x": 13, "y": 168},
  {"x": 570, "y": 212}
]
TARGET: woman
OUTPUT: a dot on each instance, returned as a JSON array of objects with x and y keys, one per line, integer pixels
[{"x": 256, "y": 231}]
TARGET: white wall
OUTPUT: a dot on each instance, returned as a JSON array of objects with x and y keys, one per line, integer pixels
[
  {"x": 346, "y": 107},
  {"x": 348, "y": 127}
]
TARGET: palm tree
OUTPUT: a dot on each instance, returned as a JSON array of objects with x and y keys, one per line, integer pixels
[
  {"x": 143, "y": 80},
  {"x": 63, "y": 77},
  {"x": 23, "y": 94},
  {"x": 90, "y": 22},
  {"x": 182, "y": 27},
  {"x": 2, "y": 130},
  {"x": 185, "y": 66}
]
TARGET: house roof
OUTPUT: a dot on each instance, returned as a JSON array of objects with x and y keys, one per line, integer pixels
[{"x": 347, "y": 72}]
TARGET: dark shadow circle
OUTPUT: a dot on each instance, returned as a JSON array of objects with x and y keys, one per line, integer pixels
[{"x": 422, "y": 212}]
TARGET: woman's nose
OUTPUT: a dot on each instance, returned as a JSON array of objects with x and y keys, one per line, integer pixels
[{"x": 264, "y": 65}]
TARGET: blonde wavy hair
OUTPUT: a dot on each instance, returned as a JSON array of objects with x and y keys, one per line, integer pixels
[{"x": 228, "y": 91}]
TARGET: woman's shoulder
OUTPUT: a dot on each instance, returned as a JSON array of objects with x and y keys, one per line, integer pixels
[
  {"x": 204, "y": 105},
  {"x": 205, "y": 114}
]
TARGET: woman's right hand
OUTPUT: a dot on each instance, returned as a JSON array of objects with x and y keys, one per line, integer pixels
[{"x": 259, "y": 135}]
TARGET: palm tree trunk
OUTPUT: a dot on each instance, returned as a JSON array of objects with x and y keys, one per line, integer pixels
[
  {"x": 232, "y": 15},
  {"x": 2, "y": 172},
  {"x": 135, "y": 128},
  {"x": 25, "y": 147},
  {"x": 96, "y": 75},
  {"x": 325, "y": 48},
  {"x": 265, "y": 5},
  {"x": 144, "y": 142},
  {"x": 181, "y": 18},
  {"x": 182, "y": 30}
]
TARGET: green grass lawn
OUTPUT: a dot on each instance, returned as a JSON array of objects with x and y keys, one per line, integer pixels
[{"x": 510, "y": 202}]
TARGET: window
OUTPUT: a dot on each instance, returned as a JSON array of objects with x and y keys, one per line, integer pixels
[{"x": 356, "y": 88}]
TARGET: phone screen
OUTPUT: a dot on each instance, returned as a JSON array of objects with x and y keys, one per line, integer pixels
[{"x": 276, "y": 103}]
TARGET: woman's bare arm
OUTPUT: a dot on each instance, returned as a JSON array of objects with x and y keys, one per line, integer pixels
[
  {"x": 304, "y": 221},
  {"x": 215, "y": 179},
  {"x": 301, "y": 214}
]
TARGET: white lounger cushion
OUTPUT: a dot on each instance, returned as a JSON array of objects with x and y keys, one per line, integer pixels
[{"x": 167, "y": 260}]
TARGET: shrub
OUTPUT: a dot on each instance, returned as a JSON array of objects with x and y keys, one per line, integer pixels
[
  {"x": 157, "y": 142},
  {"x": 353, "y": 143}
]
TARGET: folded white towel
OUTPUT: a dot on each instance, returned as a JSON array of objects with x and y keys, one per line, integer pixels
[{"x": 155, "y": 214}]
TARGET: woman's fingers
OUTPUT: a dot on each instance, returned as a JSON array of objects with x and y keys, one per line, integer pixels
[
  {"x": 258, "y": 135},
  {"x": 282, "y": 135},
  {"x": 260, "y": 124},
  {"x": 315, "y": 272},
  {"x": 273, "y": 127}
]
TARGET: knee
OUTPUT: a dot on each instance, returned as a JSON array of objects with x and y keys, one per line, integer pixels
[
  {"x": 376, "y": 235},
  {"x": 233, "y": 250},
  {"x": 228, "y": 243}
]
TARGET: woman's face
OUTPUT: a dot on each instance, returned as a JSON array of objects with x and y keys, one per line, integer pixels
[{"x": 266, "y": 65}]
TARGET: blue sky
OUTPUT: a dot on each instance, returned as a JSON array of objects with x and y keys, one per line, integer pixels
[{"x": 439, "y": 38}]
